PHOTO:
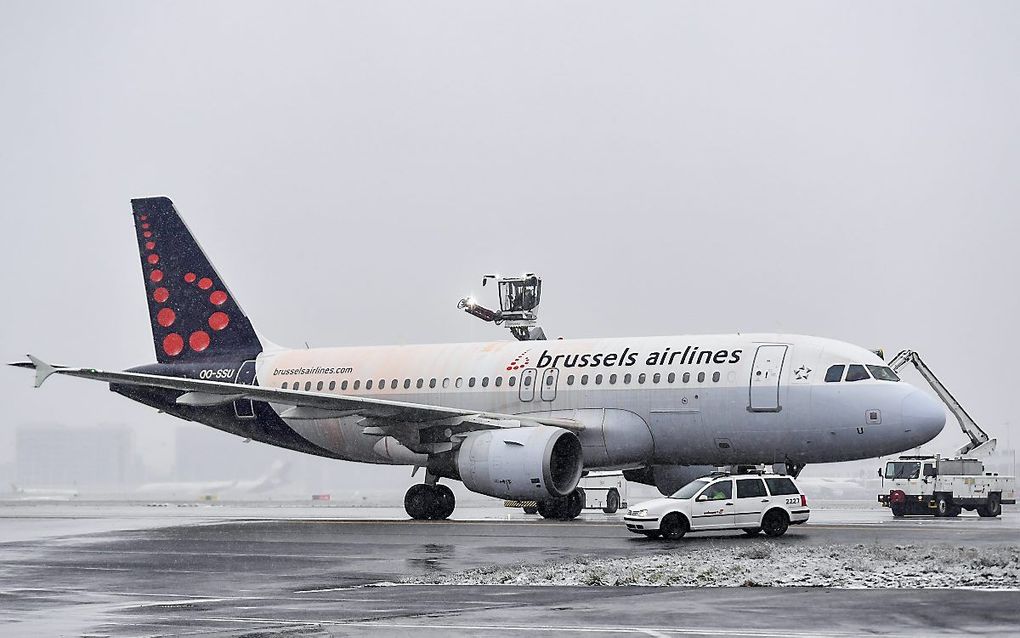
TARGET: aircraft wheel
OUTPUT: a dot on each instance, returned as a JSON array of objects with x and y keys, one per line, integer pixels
[
  {"x": 418, "y": 501},
  {"x": 575, "y": 503},
  {"x": 443, "y": 504}
]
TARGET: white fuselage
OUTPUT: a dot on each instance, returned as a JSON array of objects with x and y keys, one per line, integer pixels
[{"x": 714, "y": 399}]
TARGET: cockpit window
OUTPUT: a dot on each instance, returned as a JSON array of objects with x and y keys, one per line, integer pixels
[
  {"x": 834, "y": 373},
  {"x": 883, "y": 373},
  {"x": 856, "y": 372}
]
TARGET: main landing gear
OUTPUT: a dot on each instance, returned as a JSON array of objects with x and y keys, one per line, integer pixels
[
  {"x": 426, "y": 501},
  {"x": 564, "y": 508}
]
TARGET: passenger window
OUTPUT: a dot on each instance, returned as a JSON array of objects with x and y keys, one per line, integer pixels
[
  {"x": 526, "y": 381},
  {"x": 656, "y": 377},
  {"x": 719, "y": 491},
  {"x": 343, "y": 384},
  {"x": 512, "y": 381},
  {"x": 671, "y": 378},
  {"x": 715, "y": 377},
  {"x": 308, "y": 386},
  {"x": 432, "y": 382},
  {"x": 598, "y": 379},
  {"x": 834, "y": 373},
  {"x": 318, "y": 386},
  {"x": 418, "y": 384},
  {"x": 393, "y": 384},
  {"x": 584, "y": 379},
  {"x": 687, "y": 377},
  {"x": 485, "y": 382},
  {"x": 284, "y": 386},
  {"x": 407, "y": 384},
  {"x": 612, "y": 379},
  {"x": 446, "y": 382},
  {"x": 856, "y": 373},
  {"x": 459, "y": 382},
  {"x": 499, "y": 381},
  {"x": 332, "y": 385},
  {"x": 570, "y": 379},
  {"x": 368, "y": 384},
  {"x": 641, "y": 378},
  {"x": 471, "y": 382},
  {"x": 701, "y": 377},
  {"x": 627, "y": 378},
  {"x": 357, "y": 384},
  {"x": 549, "y": 380},
  {"x": 750, "y": 488}
]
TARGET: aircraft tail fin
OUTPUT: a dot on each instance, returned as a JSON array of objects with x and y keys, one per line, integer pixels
[{"x": 193, "y": 315}]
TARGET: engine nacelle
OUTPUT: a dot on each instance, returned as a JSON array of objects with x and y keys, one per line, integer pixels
[{"x": 528, "y": 463}]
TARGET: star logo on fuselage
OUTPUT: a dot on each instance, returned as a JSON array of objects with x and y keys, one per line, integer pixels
[{"x": 802, "y": 373}]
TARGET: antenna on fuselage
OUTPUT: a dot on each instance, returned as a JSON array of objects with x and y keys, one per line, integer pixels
[{"x": 518, "y": 300}]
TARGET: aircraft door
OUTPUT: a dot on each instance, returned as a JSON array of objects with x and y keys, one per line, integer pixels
[
  {"x": 245, "y": 408},
  {"x": 549, "y": 380},
  {"x": 527, "y": 389},
  {"x": 764, "y": 384}
]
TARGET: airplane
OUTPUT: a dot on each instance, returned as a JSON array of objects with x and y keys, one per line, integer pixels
[
  {"x": 276, "y": 477},
  {"x": 517, "y": 420}
]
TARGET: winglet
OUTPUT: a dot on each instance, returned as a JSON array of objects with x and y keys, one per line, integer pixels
[{"x": 42, "y": 370}]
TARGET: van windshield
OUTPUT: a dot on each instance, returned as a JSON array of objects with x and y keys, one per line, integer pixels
[{"x": 692, "y": 488}]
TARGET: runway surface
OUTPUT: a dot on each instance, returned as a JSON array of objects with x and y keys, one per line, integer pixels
[{"x": 115, "y": 569}]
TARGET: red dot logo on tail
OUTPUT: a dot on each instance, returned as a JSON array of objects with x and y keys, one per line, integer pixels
[
  {"x": 205, "y": 283},
  {"x": 160, "y": 295},
  {"x": 173, "y": 344},
  {"x": 199, "y": 340},
  {"x": 218, "y": 298},
  {"x": 218, "y": 320},
  {"x": 165, "y": 317},
  {"x": 156, "y": 275}
]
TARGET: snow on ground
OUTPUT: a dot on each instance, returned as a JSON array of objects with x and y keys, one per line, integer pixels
[{"x": 766, "y": 564}]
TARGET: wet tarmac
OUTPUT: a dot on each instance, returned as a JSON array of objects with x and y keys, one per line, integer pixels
[{"x": 116, "y": 569}]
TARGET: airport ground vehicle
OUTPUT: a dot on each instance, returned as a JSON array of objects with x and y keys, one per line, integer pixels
[
  {"x": 945, "y": 487},
  {"x": 606, "y": 491},
  {"x": 754, "y": 503}
]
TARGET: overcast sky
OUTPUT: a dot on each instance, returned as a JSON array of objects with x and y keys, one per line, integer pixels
[{"x": 848, "y": 170}]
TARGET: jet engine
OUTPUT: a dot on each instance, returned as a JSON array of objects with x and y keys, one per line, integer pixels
[{"x": 528, "y": 463}]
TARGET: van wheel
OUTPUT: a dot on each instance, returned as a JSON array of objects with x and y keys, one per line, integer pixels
[
  {"x": 942, "y": 505},
  {"x": 752, "y": 531},
  {"x": 612, "y": 502},
  {"x": 992, "y": 508},
  {"x": 673, "y": 527},
  {"x": 775, "y": 523}
]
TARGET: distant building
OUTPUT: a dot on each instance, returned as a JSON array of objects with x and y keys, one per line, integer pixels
[{"x": 60, "y": 456}]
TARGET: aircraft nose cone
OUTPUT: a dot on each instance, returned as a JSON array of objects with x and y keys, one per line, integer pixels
[{"x": 923, "y": 416}]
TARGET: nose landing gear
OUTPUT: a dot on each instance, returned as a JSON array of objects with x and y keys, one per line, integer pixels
[{"x": 424, "y": 502}]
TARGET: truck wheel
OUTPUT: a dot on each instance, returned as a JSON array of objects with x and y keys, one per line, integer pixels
[
  {"x": 612, "y": 502},
  {"x": 992, "y": 508},
  {"x": 673, "y": 527},
  {"x": 775, "y": 523},
  {"x": 954, "y": 511},
  {"x": 942, "y": 505},
  {"x": 898, "y": 511}
]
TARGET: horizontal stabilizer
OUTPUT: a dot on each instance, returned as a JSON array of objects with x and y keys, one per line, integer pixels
[{"x": 42, "y": 369}]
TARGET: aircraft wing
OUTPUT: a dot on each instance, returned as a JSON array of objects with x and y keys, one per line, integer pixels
[{"x": 395, "y": 417}]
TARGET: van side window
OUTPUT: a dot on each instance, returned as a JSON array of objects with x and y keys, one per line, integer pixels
[
  {"x": 857, "y": 372},
  {"x": 834, "y": 373}
]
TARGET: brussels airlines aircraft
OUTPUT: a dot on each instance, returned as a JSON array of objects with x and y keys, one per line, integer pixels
[{"x": 518, "y": 420}]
